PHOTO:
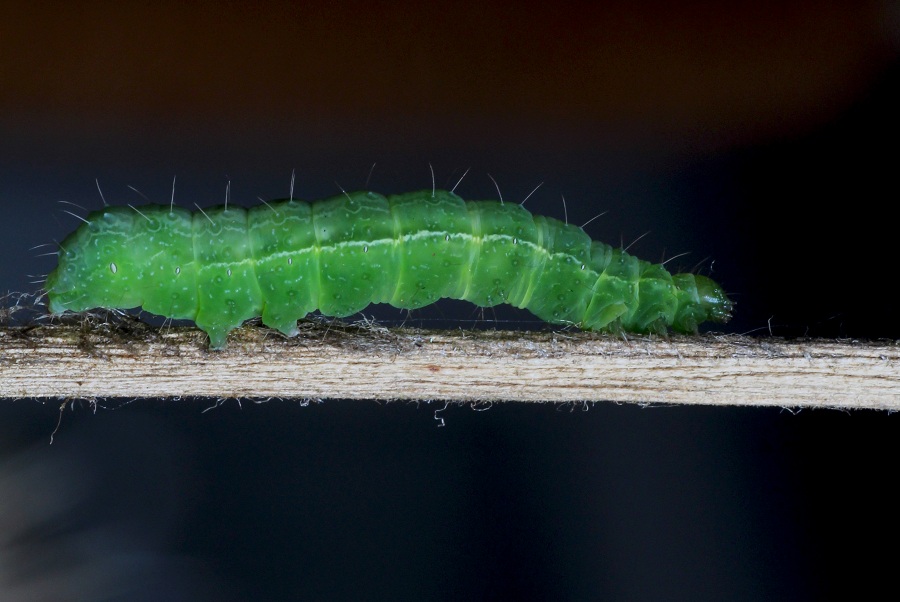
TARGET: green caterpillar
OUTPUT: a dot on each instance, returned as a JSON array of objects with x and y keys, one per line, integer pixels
[{"x": 282, "y": 260}]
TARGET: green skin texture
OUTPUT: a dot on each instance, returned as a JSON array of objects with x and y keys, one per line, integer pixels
[{"x": 288, "y": 258}]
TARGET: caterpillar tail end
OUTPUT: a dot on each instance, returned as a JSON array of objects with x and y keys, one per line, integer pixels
[{"x": 56, "y": 305}]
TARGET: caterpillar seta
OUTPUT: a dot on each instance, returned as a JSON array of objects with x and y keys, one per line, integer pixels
[{"x": 285, "y": 259}]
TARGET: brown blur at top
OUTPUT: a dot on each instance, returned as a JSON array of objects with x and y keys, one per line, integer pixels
[{"x": 723, "y": 72}]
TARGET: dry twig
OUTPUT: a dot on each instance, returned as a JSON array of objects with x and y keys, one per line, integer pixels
[{"x": 363, "y": 362}]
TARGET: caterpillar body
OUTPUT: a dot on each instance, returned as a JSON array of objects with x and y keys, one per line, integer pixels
[{"x": 285, "y": 259}]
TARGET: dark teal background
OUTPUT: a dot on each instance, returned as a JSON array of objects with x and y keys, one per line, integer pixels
[{"x": 760, "y": 139}]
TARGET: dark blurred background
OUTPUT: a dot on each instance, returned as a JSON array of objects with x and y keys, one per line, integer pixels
[{"x": 760, "y": 138}]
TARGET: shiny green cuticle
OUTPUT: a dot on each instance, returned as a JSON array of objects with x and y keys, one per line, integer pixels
[{"x": 285, "y": 259}]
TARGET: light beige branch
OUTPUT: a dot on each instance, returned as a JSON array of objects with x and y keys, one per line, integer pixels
[{"x": 347, "y": 362}]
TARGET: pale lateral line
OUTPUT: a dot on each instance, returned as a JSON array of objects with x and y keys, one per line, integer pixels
[{"x": 421, "y": 234}]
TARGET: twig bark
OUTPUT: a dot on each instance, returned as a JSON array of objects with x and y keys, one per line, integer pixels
[{"x": 365, "y": 362}]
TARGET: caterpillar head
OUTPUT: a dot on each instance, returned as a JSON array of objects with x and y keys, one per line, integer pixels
[
  {"x": 713, "y": 299},
  {"x": 700, "y": 299}
]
